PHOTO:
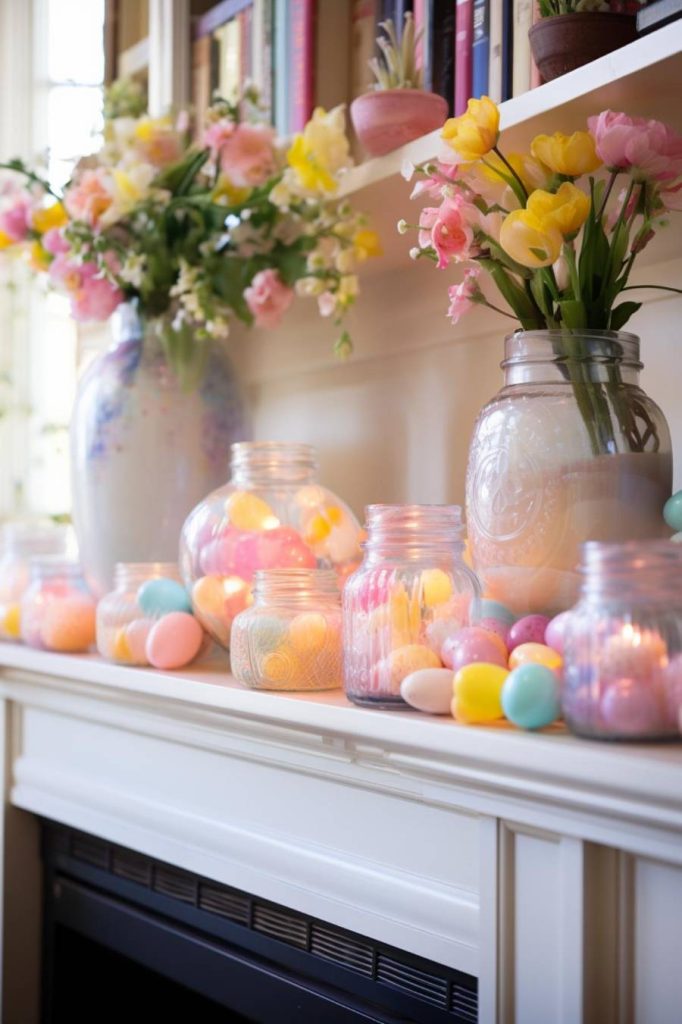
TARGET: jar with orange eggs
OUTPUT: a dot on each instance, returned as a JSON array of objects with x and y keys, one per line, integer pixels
[{"x": 57, "y": 610}]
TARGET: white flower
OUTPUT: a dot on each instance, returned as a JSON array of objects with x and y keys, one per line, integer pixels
[
  {"x": 402, "y": 227},
  {"x": 280, "y": 195},
  {"x": 407, "y": 170},
  {"x": 326, "y": 304},
  {"x": 415, "y": 252},
  {"x": 134, "y": 269},
  {"x": 309, "y": 286},
  {"x": 345, "y": 261},
  {"x": 218, "y": 327}
]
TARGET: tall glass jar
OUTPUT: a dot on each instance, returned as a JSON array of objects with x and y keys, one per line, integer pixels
[
  {"x": 412, "y": 591},
  {"x": 623, "y": 643},
  {"x": 570, "y": 450},
  {"x": 290, "y": 637},
  {"x": 22, "y": 541},
  {"x": 57, "y": 609},
  {"x": 272, "y": 514}
]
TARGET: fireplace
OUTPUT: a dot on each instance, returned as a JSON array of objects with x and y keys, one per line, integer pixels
[{"x": 123, "y": 931}]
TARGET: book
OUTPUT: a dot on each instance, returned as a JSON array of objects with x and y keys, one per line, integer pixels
[
  {"x": 422, "y": 23},
  {"x": 523, "y": 20},
  {"x": 441, "y": 56},
  {"x": 499, "y": 73},
  {"x": 280, "y": 57},
  {"x": 657, "y": 14},
  {"x": 480, "y": 50},
  {"x": 464, "y": 27},
  {"x": 301, "y": 63}
]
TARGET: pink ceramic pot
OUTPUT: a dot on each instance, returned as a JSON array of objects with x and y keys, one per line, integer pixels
[{"x": 388, "y": 118}]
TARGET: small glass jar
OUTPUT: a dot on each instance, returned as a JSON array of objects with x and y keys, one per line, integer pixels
[
  {"x": 57, "y": 609},
  {"x": 412, "y": 591},
  {"x": 290, "y": 638},
  {"x": 271, "y": 515},
  {"x": 126, "y": 616},
  {"x": 623, "y": 643},
  {"x": 20, "y": 542}
]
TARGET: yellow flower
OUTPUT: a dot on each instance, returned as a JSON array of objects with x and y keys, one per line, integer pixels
[
  {"x": 567, "y": 208},
  {"x": 320, "y": 151},
  {"x": 366, "y": 244},
  {"x": 5, "y": 241},
  {"x": 473, "y": 134},
  {"x": 530, "y": 171},
  {"x": 571, "y": 155},
  {"x": 38, "y": 259},
  {"x": 227, "y": 194},
  {"x": 147, "y": 128},
  {"x": 54, "y": 216},
  {"x": 529, "y": 239}
]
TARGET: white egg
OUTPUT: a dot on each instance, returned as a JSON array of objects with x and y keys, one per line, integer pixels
[{"x": 429, "y": 689}]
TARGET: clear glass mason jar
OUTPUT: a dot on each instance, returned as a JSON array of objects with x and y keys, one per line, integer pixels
[
  {"x": 57, "y": 609},
  {"x": 412, "y": 590},
  {"x": 123, "y": 625},
  {"x": 570, "y": 450},
  {"x": 290, "y": 637},
  {"x": 623, "y": 643},
  {"x": 271, "y": 515},
  {"x": 21, "y": 541}
]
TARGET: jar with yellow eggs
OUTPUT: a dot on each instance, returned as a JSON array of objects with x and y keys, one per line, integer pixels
[
  {"x": 22, "y": 541},
  {"x": 273, "y": 514},
  {"x": 411, "y": 595},
  {"x": 290, "y": 637}
]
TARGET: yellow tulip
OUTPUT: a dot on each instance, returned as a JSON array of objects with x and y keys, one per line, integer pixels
[
  {"x": 314, "y": 177},
  {"x": 38, "y": 259},
  {"x": 571, "y": 155},
  {"x": 5, "y": 241},
  {"x": 227, "y": 194},
  {"x": 366, "y": 243},
  {"x": 54, "y": 216},
  {"x": 530, "y": 240},
  {"x": 567, "y": 208},
  {"x": 530, "y": 171},
  {"x": 474, "y": 133}
]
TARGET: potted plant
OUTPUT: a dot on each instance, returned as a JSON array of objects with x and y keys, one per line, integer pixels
[
  {"x": 571, "y": 33},
  {"x": 396, "y": 109}
]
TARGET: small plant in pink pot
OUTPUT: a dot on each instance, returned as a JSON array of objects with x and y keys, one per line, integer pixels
[{"x": 397, "y": 109}]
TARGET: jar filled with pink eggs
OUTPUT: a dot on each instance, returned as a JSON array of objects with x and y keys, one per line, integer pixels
[
  {"x": 623, "y": 643},
  {"x": 57, "y": 610},
  {"x": 272, "y": 514},
  {"x": 22, "y": 541}
]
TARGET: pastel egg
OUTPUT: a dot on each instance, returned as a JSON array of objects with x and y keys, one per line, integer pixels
[
  {"x": 528, "y": 630},
  {"x": 69, "y": 625},
  {"x": 478, "y": 692},
  {"x": 496, "y": 626},
  {"x": 530, "y": 696},
  {"x": 267, "y": 633},
  {"x": 631, "y": 708},
  {"x": 307, "y": 632},
  {"x": 555, "y": 634},
  {"x": 440, "y": 630},
  {"x": 472, "y": 644},
  {"x": 672, "y": 511},
  {"x": 136, "y": 633},
  {"x": 538, "y": 654},
  {"x": 160, "y": 596},
  {"x": 174, "y": 641},
  {"x": 11, "y": 621},
  {"x": 249, "y": 512},
  {"x": 282, "y": 668},
  {"x": 343, "y": 544},
  {"x": 486, "y": 608},
  {"x": 208, "y": 595},
  {"x": 676, "y": 538},
  {"x": 436, "y": 587},
  {"x": 120, "y": 649},
  {"x": 283, "y": 548},
  {"x": 429, "y": 690},
  {"x": 404, "y": 660}
]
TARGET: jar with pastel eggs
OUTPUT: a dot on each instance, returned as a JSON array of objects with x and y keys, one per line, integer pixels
[
  {"x": 411, "y": 596},
  {"x": 273, "y": 514},
  {"x": 290, "y": 638},
  {"x": 622, "y": 676},
  {"x": 147, "y": 618},
  {"x": 57, "y": 610},
  {"x": 22, "y": 541}
]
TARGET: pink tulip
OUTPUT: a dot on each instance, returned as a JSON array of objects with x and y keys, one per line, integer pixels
[
  {"x": 16, "y": 221},
  {"x": 54, "y": 241},
  {"x": 245, "y": 151},
  {"x": 93, "y": 296},
  {"x": 447, "y": 230},
  {"x": 268, "y": 298},
  {"x": 648, "y": 149},
  {"x": 90, "y": 197},
  {"x": 462, "y": 295}
]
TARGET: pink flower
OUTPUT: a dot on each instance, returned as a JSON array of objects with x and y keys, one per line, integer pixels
[
  {"x": 16, "y": 221},
  {"x": 433, "y": 185},
  {"x": 54, "y": 241},
  {"x": 247, "y": 154},
  {"x": 462, "y": 295},
  {"x": 268, "y": 298},
  {"x": 447, "y": 230},
  {"x": 90, "y": 197},
  {"x": 649, "y": 149},
  {"x": 217, "y": 134},
  {"x": 93, "y": 297},
  {"x": 672, "y": 197}
]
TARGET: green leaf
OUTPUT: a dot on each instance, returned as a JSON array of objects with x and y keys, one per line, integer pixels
[
  {"x": 621, "y": 314},
  {"x": 573, "y": 313}
]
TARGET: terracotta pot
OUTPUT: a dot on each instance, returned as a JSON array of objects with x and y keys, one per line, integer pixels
[
  {"x": 388, "y": 118},
  {"x": 567, "y": 41}
]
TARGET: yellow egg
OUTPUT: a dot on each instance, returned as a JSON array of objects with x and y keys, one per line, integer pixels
[
  {"x": 281, "y": 667},
  {"x": 404, "y": 660},
  {"x": 121, "y": 648},
  {"x": 307, "y": 632},
  {"x": 334, "y": 515},
  {"x": 436, "y": 587},
  {"x": 538, "y": 654},
  {"x": 247, "y": 511},
  {"x": 11, "y": 623},
  {"x": 477, "y": 692},
  {"x": 208, "y": 596},
  {"x": 317, "y": 530}
]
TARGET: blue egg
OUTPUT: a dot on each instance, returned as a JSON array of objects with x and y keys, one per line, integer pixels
[
  {"x": 485, "y": 608},
  {"x": 672, "y": 511},
  {"x": 158, "y": 597},
  {"x": 530, "y": 696}
]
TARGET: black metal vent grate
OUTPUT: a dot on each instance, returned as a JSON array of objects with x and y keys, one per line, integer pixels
[
  {"x": 418, "y": 983},
  {"x": 464, "y": 1004},
  {"x": 90, "y": 850},
  {"x": 340, "y": 949},
  {"x": 232, "y": 905},
  {"x": 131, "y": 866},
  {"x": 179, "y": 885}
]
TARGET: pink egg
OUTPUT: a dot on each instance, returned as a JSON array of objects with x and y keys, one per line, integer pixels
[
  {"x": 231, "y": 553},
  {"x": 69, "y": 624},
  {"x": 555, "y": 631},
  {"x": 174, "y": 641},
  {"x": 497, "y": 627},
  {"x": 283, "y": 548},
  {"x": 136, "y": 634},
  {"x": 473, "y": 644},
  {"x": 630, "y": 708},
  {"x": 528, "y": 630}
]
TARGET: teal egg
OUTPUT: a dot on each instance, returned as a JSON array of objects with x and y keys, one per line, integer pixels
[
  {"x": 530, "y": 696},
  {"x": 158, "y": 597},
  {"x": 486, "y": 608},
  {"x": 672, "y": 512}
]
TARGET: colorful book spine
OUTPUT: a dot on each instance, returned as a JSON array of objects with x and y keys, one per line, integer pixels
[
  {"x": 480, "y": 51},
  {"x": 422, "y": 23},
  {"x": 464, "y": 28},
  {"x": 302, "y": 62},
  {"x": 280, "y": 52},
  {"x": 523, "y": 20}
]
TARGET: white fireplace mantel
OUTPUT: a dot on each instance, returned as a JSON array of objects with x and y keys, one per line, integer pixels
[{"x": 549, "y": 867}]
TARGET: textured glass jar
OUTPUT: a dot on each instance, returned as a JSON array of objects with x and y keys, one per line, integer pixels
[
  {"x": 20, "y": 542},
  {"x": 122, "y": 625},
  {"x": 411, "y": 591},
  {"x": 57, "y": 609},
  {"x": 570, "y": 450},
  {"x": 623, "y": 643},
  {"x": 271, "y": 515},
  {"x": 290, "y": 637}
]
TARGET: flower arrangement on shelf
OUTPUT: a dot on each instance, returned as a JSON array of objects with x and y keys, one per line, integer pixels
[
  {"x": 556, "y": 235},
  {"x": 196, "y": 236}
]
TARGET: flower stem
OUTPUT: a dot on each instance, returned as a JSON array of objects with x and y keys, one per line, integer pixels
[{"x": 524, "y": 193}]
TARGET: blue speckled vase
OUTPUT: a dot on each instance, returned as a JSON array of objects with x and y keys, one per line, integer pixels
[{"x": 145, "y": 450}]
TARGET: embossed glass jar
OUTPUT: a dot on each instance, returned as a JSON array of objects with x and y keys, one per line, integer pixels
[
  {"x": 57, "y": 609},
  {"x": 22, "y": 541},
  {"x": 290, "y": 638},
  {"x": 122, "y": 624},
  {"x": 412, "y": 590},
  {"x": 570, "y": 450},
  {"x": 623, "y": 643}
]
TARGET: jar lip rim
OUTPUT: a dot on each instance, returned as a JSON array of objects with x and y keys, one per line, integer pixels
[
  {"x": 298, "y": 449},
  {"x": 589, "y": 332}
]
